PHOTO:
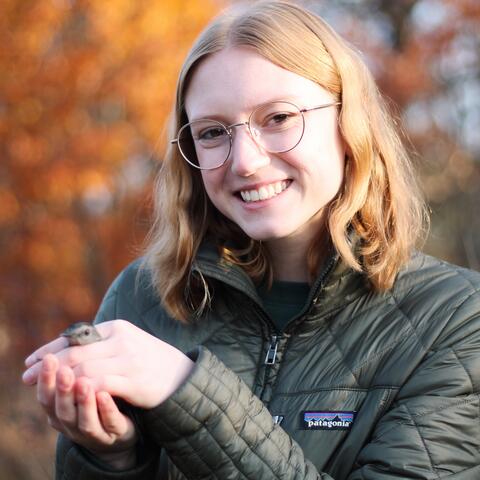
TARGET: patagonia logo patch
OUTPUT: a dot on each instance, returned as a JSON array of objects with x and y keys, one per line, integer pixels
[{"x": 327, "y": 420}]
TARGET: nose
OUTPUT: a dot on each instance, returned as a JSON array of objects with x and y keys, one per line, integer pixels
[{"x": 246, "y": 156}]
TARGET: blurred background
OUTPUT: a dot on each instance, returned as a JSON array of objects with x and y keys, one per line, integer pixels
[{"x": 85, "y": 88}]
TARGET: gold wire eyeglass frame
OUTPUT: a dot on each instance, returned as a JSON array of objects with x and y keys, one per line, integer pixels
[{"x": 229, "y": 130}]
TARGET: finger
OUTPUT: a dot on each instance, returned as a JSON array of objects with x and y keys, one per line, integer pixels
[
  {"x": 73, "y": 356},
  {"x": 113, "y": 420},
  {"x": 65, "y": 409},
  {"x": 105, "y": 329},
  {"x": 47, "y": 383},
  {"x": 88, "y": 421},
  {"x": 52, "y": 347}
]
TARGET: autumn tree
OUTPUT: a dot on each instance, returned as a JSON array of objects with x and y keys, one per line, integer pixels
[
  {"x": 85, "y": 88},
  {"x": 425, "y": 55}
]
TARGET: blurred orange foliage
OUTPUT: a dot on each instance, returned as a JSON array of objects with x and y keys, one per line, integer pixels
[{"x": 86, "y": 87}]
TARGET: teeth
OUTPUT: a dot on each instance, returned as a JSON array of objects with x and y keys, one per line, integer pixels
[{"x": 265, "y": 192}]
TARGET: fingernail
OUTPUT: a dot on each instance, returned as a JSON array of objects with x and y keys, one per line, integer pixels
[
  {"x": 102, "y": 398},
  {"x": 64, "y": 380}
]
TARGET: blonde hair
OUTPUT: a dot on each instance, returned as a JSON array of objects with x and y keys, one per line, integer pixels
[{"x": 379, "y": 204}]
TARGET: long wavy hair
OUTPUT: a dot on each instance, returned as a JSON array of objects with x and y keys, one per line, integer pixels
[{"x": 379, "y": 203}]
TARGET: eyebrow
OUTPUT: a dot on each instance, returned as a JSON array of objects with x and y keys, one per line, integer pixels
[{"x": 221, "y": 118}]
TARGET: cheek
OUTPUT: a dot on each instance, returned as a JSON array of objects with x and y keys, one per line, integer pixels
[
  {"x": 213, "y": 183},
  {"x": 208, "y": 179},
  {"x": 324, "y": 153},
  {"x": 318, "y": 159},
  {"x": 325, "y": 138}
]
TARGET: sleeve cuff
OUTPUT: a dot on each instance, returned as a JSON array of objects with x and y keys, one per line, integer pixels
[{"x": 74, "y": 463}]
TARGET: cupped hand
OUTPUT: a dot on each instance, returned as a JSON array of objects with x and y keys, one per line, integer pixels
[
  {"x": 90, "y": 419},
  {"x": 128, "y": 363}
]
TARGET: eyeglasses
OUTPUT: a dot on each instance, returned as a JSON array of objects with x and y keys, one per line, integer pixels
[{"x": 277, "y": 127}]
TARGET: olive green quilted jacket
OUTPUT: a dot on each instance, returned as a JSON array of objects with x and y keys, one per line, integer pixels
[{"x": 359, "y": 385}]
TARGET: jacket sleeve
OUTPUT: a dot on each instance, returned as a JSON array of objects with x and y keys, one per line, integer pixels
[{"x": 213, "y": 426}]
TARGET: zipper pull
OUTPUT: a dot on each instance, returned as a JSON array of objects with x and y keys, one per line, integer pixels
[
  {"x": 272, "y": 350},
  {"x": 278, "y": 419}
]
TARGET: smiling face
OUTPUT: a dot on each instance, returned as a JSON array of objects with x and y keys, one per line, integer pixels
[{"x": 270, "y": 196}]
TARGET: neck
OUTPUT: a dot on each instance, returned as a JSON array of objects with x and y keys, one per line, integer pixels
[
  {"x": 289, "y": 260},
  {"x": 289, "y": 254}
]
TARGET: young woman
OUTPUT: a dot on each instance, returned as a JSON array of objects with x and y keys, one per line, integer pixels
[{"x": 281, "y": 324}]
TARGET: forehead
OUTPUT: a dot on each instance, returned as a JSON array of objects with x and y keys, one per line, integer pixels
[{"x": 237, "y": 79}]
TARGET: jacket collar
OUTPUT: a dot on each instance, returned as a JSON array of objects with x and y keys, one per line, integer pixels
[
  {"x": 336, "y": 284},
  {"x": 209, "y": 263}
]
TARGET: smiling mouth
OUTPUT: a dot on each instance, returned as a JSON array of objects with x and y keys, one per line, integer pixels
[{"x": 265, "y": 192}]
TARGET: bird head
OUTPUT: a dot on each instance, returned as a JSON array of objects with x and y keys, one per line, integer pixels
[{"x": 81, "y": 333}]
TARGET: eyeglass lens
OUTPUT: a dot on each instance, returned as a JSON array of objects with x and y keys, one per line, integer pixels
[{"x": 276, "y": 127}]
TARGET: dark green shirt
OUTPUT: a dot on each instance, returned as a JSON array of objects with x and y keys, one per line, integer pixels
[{"x": 284, "y": 300}]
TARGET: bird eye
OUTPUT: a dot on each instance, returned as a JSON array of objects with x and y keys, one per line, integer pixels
[{"x": 87, "y": 332}]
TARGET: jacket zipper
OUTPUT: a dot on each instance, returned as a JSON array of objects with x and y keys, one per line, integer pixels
[
  {"x": 274, "y": 340},
  {"x": 275, "y": 337},
  {"x": 271, "y": 356},
  {"x": 272, "y": 350}
]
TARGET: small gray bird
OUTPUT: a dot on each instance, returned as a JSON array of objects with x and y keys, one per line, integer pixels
[{"x": 81, "y": 333}]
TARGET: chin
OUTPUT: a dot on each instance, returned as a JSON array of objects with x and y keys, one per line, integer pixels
[{"x": 264, "y": 235}]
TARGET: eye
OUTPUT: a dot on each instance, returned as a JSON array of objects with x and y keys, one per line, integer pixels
[
  {"x": 86, "y": 333},
  {"x": 278, "y": 121},
  {"x": 213, "y": 133},
  {"x": 278, "y": 118}
]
